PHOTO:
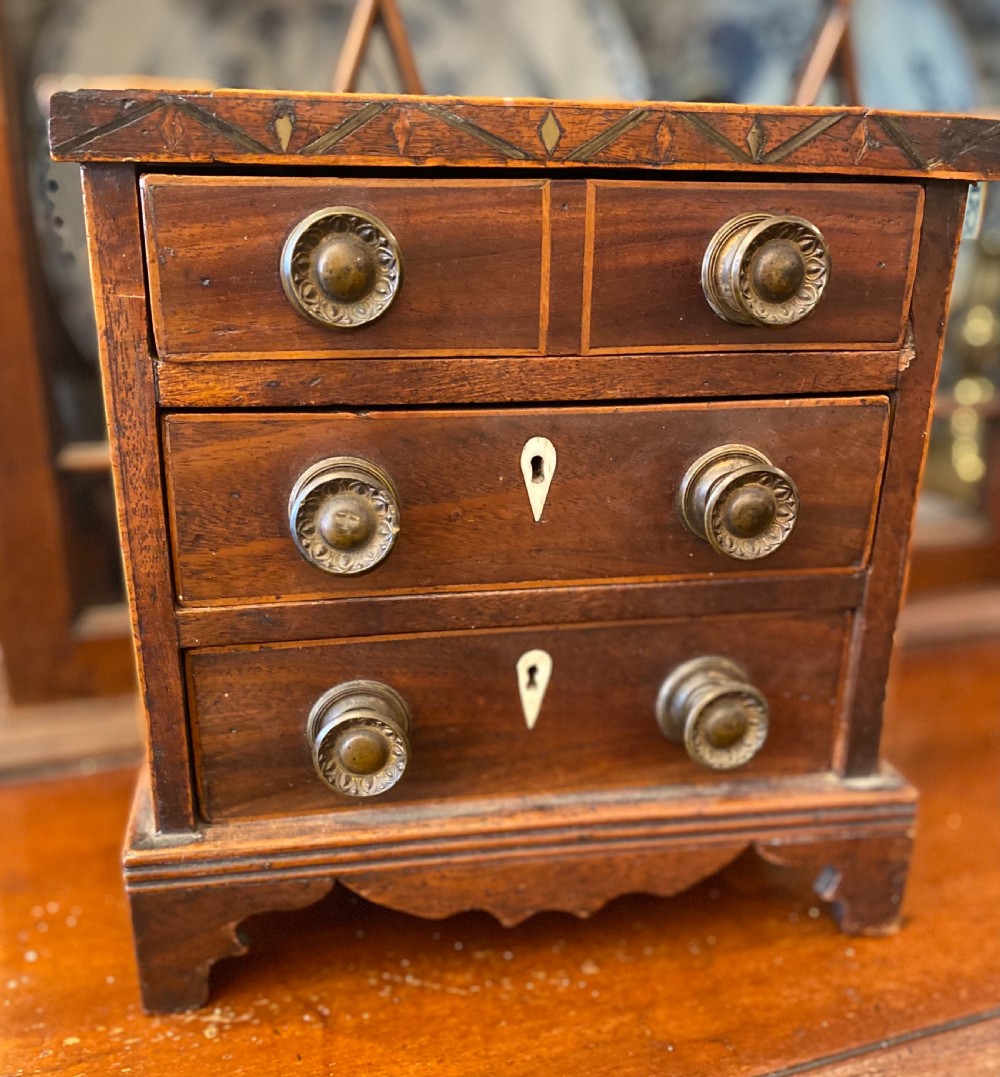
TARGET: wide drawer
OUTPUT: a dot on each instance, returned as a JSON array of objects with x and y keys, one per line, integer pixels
[
  {"x": 473, "y": 258},
  {"x": 596, "y": 727},
  {"x": 643, "y": 290},
  {"x": 461, "y": 481}
]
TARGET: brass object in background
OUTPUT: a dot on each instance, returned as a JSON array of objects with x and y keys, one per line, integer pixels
[
  {"x": 739, "y": 502},
  {"x": 709, "y": 706},
  {"x": 344, "y": 515},
  {"x": 765, "y": 270},
  {"x": 341, "y": 267},
  {"x": 358, "y": 733}
]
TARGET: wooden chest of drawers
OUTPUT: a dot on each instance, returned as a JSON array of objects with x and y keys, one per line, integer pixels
[{"x": 514, "y": 495}]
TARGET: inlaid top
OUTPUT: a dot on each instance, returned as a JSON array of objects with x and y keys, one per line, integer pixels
[{"x": 270, "y": 128}]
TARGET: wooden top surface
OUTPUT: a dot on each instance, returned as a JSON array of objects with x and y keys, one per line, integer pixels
[
  {"x": 308, "y": 130},
  {"x": 742, "y": 975}
]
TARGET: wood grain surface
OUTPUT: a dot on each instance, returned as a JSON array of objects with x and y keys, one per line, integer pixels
[
  {"x": 596, "y": 730},
  {"x": 477, "y": 266},
  {"x": 464, "y": 510},
  {"x": 240, "y": 126},
  {"x": 768, "y": 985},
  {"x": 507, "y": 607},
  {"x": 643, "y": 288},
  {"x": 270, "y": 382},
  {"x": 573, "y": 814},
  {"x": 875, "y": 628},
  {"x": 115, "y": 245},
  {"x": 474, "y": 253}
]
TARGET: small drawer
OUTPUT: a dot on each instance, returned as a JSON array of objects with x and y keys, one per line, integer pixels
[
  {"x": 643, "y": 287},
  {"x": 592, "y": 694},
  {"x": 449, "y": 499},
  {"x": 466, "y": 262}
]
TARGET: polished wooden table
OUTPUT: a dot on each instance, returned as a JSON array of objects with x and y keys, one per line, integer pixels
[{"x": 740, "y": 975}]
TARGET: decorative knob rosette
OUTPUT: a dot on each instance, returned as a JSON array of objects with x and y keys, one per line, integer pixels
[
  {"x": 341, "y": 267},
  {"x": 736, "y": 500},
  {"x": 344, "y": 515},
  {"x": 358, "y": 732},
  {"x": 709, "y": 706},
  {"x": 765, "y": 270}
]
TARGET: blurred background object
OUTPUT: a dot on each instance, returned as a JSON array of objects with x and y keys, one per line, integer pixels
[{"x": 63, "y": 621}]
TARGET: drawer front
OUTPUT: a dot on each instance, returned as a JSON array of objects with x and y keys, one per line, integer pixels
[
  {"x": 464, "y": 513},
  {"x": 643, "y": 290},
  {"x": 473, "y": 259},
  {"x": 596, "y": 727}
]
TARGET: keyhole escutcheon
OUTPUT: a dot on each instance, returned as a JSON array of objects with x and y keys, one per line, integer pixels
[
  {"x": 534, "y": 669},
  {"x": 538, "y": 465}
]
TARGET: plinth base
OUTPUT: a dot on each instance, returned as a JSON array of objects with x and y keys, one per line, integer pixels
[{"x": 190, "y": 891}]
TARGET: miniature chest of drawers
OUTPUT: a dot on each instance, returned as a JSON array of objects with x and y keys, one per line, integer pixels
[{"x": 514, "y": 494}]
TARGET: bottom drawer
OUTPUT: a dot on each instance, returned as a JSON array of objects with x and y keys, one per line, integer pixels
[{"x": 470, "y": 694}]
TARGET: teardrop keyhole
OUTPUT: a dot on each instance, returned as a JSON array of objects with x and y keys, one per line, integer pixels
[
  {"x": 538, "y": 465},
  {"x": 534, "y": 669}
]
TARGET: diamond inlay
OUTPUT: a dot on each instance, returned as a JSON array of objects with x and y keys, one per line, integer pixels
[
  {"x": 663, "y": 139},
  {"x": 105, "y": 126},
  {"x": 756, "y": 138},
  {"x": 550, "y": 131},
  {"x": 402, "y": 129},
  {"x": 284, "y": 125}
]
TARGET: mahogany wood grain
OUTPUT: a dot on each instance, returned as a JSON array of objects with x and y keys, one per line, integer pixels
[
  {"x": 845, "y": 871},
  {"x": 969, "y": 1046},
  {"x": 649, "y": 240},
  {"x": 504, "y": 607},
  {"x": 223, "y": 383},
  {"x": 855, "y": 833},
  {"x": 468, "y": 733},
  {"x": 768, "y": 987},
  {"x": 177, "y": 942},
  {"x": 474, "y": 253},
  {"x": 593, "y": 792},
  {"x": 237, "y": 126},
  {"x": 571, "y": 885},
  {"x": 844, "y": 868},
  {"x": 464, "y": 512},
  {"x": 944, "y": 214},
  {"x": 568, "y": 223},
  {"x": 114, "y": 236}
]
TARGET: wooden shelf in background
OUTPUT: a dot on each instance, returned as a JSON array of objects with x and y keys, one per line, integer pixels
[
  {"x": 84, "y": 457},
  {"x": 46, "y": 656}
]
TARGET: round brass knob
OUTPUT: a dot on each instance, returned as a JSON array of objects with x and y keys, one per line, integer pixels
[
  {"x": 765, "y": 270},
  {"x": 344, "y": 515},
  {"x": 341, "y": 267},
  {"x": 708, "y": 705},
  {"x": 736, "y": 500},
  {"x": 358, "y": 732}
]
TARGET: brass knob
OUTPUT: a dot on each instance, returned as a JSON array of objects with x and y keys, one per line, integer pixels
[
  {"x": 341, "y": 267},
  {"x": 736, "y": 500},
  {"x": 765, "y": 270},
  {"x": 359, "y": 737},
  {"x": 709, "y": 706},
  {"x": 344, "y": 515}
]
